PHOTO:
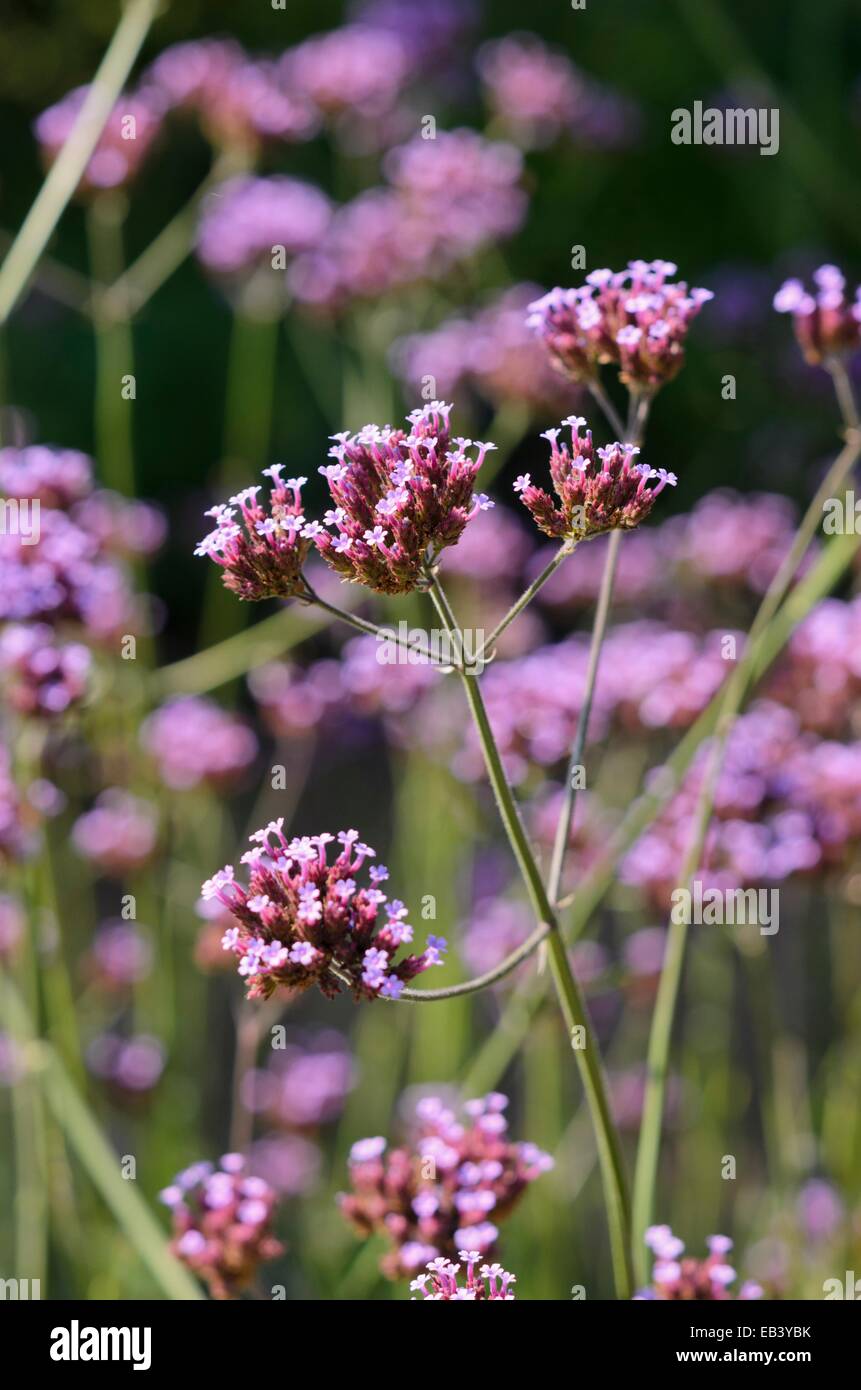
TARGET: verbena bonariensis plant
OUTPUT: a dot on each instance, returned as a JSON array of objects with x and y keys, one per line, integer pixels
[
  {"x": 440, "y": 1283},
  {"x": 303, "y": 921},
  {"x": 399, "y": 502},
  {"x": 679, "y": 1276},
  {"x": 222, "y": 1222},
  {"x": 448, "y": 1188},
  {"x": 400, "y": 499}
]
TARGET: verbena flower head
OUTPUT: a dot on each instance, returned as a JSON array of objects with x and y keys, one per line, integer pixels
[
  {"x": 399, "y": 499},
  {"x": 825, "y": 322},
  {"x": 598, "y": 490},
  {"x": 447, "y": 1190},
  {"x": 41, "y": 676},
  {"x": 303, "y": 921},
  {"x": 123, "y": 145},
  {"x": 193, "y": 740},
  {"x": 635, "y": 319},
  {"x": 130, "y": 1067},
  {"x": 537, "y": 94},
  {"x": 119, "y": 835},
  {"x": 357, "y": 69},
  {"x": 247, "y": 218},
  {"x": 261, "y": 550},
  {"x": 238, "y": 101},
  {"x": 303, "y": 1085},
  {"x": 493, "y": 353},
  {"x": 222, "y": 1223},
  {"x": 120, "y": 956},
  {"x": 679, "y": 1276},
  {"x": 58, "y": 477},
  {"x": 467, "y": 186},
  {"x": 441, "y": 1283}
]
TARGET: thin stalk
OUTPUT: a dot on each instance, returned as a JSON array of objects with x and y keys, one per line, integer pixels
[
  {"x": 67, "y": 169},
  {"x": 639, "y": 404},
  {"x": 97, "y": 1157},
  {"x": 566, "y": 549},
  {"x": 131, "y": 289},
  {"x": 571, "y": 1001},
  {"x": 599, "y": 628},
  {"x": 249, "y": 400},
  {"x": 611, "y": 414},
  {"x": 668, "y": 989},
  {"x": 114, "y": 347},
  {"x": 479, "y": 982},
  {"x": 373, "y": 630}
]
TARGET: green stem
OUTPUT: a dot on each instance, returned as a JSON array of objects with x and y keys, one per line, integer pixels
[
  {"x": 96, "y": 1156},
  {"x": 479, "y": 982},
  {"x": 599, "y": 627},
  {"x": 133, "y": 287},
  {"x": 67, "y": 169},
  {"x": 250, "y": 393},
  {"x": 566, "y": 549},
  {"x": 114, "y": 347},
  {"x": 571, "y": 1001},
  {"x": 611, "y": 414},
  {"x": 381, "y": 633}
]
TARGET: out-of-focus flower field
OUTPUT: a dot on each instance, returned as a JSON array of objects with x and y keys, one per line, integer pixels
[{"x": 336, "y": 671}]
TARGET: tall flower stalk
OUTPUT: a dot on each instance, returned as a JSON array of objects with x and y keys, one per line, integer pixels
[{"x": 571, "y": 1002}]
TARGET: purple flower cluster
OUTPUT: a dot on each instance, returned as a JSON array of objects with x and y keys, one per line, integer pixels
[
  {"x": 635, "y": 319},
  {"x": 71, "y": 574},
  {"x": 119, "y": 834},
  {"x": 222, "y": 1223},
  {"x": 446, "y": 198},
  {"x": 57, "y": 477},
  {"x": 123, "y": 145},
  {"x": 818, "y": 675},
  {"x": 786, "y": 803},
  {"x": 304, "y": 1085},
  {"x": 294, "y": 700},
  {"x": 302, "y": 921},
  {"x": 447, "y": 1190},
  {"x": 440, "y": 1283},
  {"x": 357, "y": 70},
  {"x": 193, "y": 740},
  {"x": 826, "y": 323},
  {"x": 239, "y": 102},
  {"x": 129, "y": 1067},
  {"x": 493, "y": 353},
  {"x": 120, "y": 956},
  {"x": 399, "y": 499},
  {"x": 679, "y": 1276},
  {"x": 652, "y": 676},
  {"x": 537, "y": 95},
  {"x": 262, "y": 554},
  {"x": 40, "y": 675},
  {"x": 247, "y": 219},
  {"x": 598, "y": 490},
  {"x": 467, "y": 185}
]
